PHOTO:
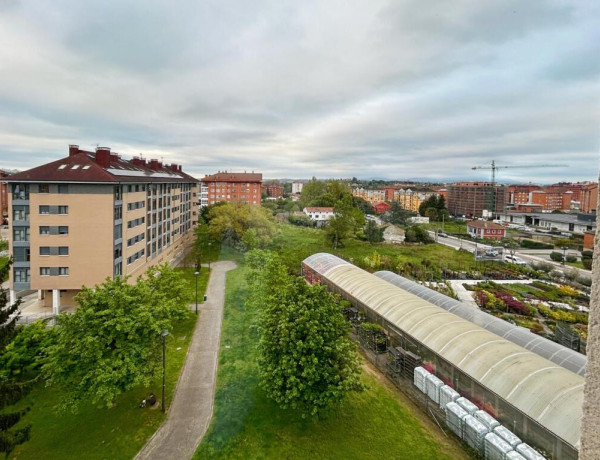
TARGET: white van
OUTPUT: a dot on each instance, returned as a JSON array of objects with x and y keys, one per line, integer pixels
[{"x": 514, "y": 260}]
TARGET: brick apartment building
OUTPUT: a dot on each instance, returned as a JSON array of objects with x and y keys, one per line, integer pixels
[
  {"x": 274, "y": 190},
  {"x": 564, "y": 196},
  {"x": 93, "y": 215},
  {"x": 471, "y": 198},
  {"x": 228, "y": 186}
]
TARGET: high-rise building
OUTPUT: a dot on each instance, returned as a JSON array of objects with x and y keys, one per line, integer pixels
[
  {"x": 93, "y": 215},
  {"x": 472, "y": 198},
  {"x": 228, "y": 186},
  {"x": 297, "y": 187}
]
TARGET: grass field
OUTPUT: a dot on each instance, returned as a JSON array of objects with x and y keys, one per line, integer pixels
[
  {"x": 373, "y": 424},
  {"x": 99, "y": 433},
  {"x": 299, "y": 243}
]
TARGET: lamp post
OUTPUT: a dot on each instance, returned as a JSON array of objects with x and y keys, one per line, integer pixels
[
  {"x": 209, "y": 243},
  {"x": 164, "y": 335},
  {"x": 564, "y": 248},
  {"x": 197, "y": 272}
]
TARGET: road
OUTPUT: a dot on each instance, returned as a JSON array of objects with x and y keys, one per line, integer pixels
[
  {"x": 192, "y": 406},
  {"x": 528, "y": 255}
]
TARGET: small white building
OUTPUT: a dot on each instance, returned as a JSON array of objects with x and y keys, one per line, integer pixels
[
  {"x": 297, "y": 187},
  {"x": 419, "y": 220},
  {"x": 319, "y": 214}
]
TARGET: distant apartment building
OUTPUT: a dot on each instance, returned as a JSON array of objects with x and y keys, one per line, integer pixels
[
  {"x": 274, "y": 190},
  {"x": 471, "y": 199},
  {"x": 564, "y": 196},
  {"x": 92, "y": 215},
  {"x": 588, "y": 200},
  {"x": 409, "y": 199},
  {"x": 3, "y": 195},
  {"x": 229, "y": 186},
  {"x": 372, "y": 196},
  {"x": 297, "y": 187},
  {"x": 485, "y": 229}
]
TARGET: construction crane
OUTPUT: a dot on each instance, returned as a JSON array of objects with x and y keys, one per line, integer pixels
[{"x": 495, "y": 167}]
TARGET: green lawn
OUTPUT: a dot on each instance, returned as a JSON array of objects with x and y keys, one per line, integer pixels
[
  {"x": 377, "y": 423},
  {"x": 448, "y": 227},
  {"x": 98, "y": 433}
]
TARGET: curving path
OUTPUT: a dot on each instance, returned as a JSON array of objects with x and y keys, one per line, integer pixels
[{"x": 191, "y": 410}]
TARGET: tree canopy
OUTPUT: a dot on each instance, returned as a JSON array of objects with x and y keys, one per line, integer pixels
[
  {"x": 433, "y": 207},
  {"x": 307, "y": 362},
  {"x": 111, "y": 342}
]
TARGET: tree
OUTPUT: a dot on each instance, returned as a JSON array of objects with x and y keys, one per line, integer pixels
[
  {"x": 432, "y": 213},
  {"x": 111, "y": 343},
  {"x": 202, "y": 244},
  {"x": 556, "y": 256},
  {"x": 312, "y": 190},
  {"x": 373, "y": 233},
  {"x": 397, "y": 215},
  {"x": 11, "y": 390},
  {"x": 229, "y": 223},
  {"x": 307, "y": 362},
  {"x": 346, "y": 219}
]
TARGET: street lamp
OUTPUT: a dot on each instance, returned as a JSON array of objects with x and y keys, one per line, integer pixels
[
  {"x": 209, "y": 243},
  {"x": 564, "y": 248},
  {"x": 164, "y": 335},
  {"x": 197, "y": 272}
]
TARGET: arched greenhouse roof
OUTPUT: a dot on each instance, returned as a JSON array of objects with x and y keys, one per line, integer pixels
[{"x": 541, "y": 389}]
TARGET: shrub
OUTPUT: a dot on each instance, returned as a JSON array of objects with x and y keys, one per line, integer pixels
[
  {"x": 586, "y": 254},
  {"x": 543, "y": 266},
  {"x": 587, "y": 264},
  {"x": 530, "y": 244},
  {"x": 571, "y": 258},
  {"x": 556, "y": 256}
]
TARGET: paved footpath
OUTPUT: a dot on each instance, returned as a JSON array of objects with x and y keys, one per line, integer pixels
[{"x": 191, "y": 410}]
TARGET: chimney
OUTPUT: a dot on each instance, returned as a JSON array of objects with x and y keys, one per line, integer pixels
[
  {"x": 154, "y": 164},
  {"x": 180, "y": 168},
  {"x": 73, "y": 150},
  {"x": 103, "y": 156},
  {"x": 114, "y": 157},
  {"x": 138, "y": 162},
  {"x": 173, "y": 167}
]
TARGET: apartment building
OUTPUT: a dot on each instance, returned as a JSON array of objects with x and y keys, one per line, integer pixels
[
  {"x": 3, "y": 196},
  {"x": 297, "y": 187},
  {"x": 94, "y": 215},
  {"x": 372, "y": 196},
  {"x": 274, "y": 190},
  {"x": 471, "y": 199},
  {"x": 410, "y": 199},
  {"x": 228, "y": 186}
]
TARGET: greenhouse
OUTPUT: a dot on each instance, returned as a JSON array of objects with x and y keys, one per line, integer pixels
[{"x": 538, "y": 399}]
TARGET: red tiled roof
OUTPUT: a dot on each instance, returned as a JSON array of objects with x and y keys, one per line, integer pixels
[
  {"x": 82, "y": 166},
  {"x": 233, "y": 177},
  {"x": 319, "y": 209},
  {"x": 484, "y": 224}
]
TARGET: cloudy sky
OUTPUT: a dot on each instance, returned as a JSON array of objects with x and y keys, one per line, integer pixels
[{"x": 373, "y": 89}]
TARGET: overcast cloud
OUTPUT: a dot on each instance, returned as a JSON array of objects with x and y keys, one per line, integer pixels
[{"x": 373, "y": 89}]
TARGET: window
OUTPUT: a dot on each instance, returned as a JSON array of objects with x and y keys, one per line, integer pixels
[
  {"x": 22, "y": 275},
  {"x": 44, "y": 209},
  {"x": 63, "y": 188},
  {"x": 63, "y": 210},
  {"x": 44, "y": 230},
  {"x": 44, "y": 188},
  {"x": 63, "y": 230},
  {"x": 118, "y": 213},
  {"x": 21, "y": 213},
  {"x": 21, "y": 233},
  {"x": 21, "y": 254},
  {"x": 63, "y": 271},
  {"x": 44, "y": 250},
  {"x": 63, "y": 250},
  {"x": 44, "y": 271}
]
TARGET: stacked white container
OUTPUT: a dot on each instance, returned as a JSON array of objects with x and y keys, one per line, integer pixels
[
  {"x": 454, "y": 418},
  {"x": 467, "y": 405},
  {"x": 447, "y": 395},
  {"x": 420, "y": 378},
  {"x": 486, "y": 419},
  {"x": 495, "y": 448},
  {"x": 433, "y": 387},
  {"x": 508, "y": 436},
  {"x": 474, "y": 432},
  {"x": 529, "y": 453}
]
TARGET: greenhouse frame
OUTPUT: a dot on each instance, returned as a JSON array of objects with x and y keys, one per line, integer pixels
[{"x": 538, "y": 399}]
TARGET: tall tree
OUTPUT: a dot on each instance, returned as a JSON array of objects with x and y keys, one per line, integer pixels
[
  {"x": 111, "y": 343},
  {"x": 307, "y": 362},
  {"x": 373, "y": 233},
  {"x": 10, "y": 389},
  {"x": 312, "y": 190},
  {"x": 397, "y": 215}
]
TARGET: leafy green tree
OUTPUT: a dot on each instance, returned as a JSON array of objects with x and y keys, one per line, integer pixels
[
  {"x": 11, "y": 389},
  {"x": 432, "y": 213},
  {"x": 201, "y": 244},
  {"x": 111, "y": 343},
  {"x": 397, "y": 215},
  {"x": 346, "y": 219},
  {"x": 373, "y": 233},
  {"x": 229, "y": 223},
  {"x": 312, "y": 190},
  {"x": 307, "y": 362}
]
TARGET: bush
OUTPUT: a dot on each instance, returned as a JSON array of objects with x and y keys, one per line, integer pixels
[
  {"x": 587, "y": 263},
  {"x": 556, "y": 256},
  {"x": 586, "y": 254},
  {"x": 543, "y": 267},
  {"x": 530, "y": 244},
  {"x": 571, "y": 258}
]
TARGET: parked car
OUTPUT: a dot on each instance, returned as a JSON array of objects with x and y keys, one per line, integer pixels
[
  {"x": 442, "y": 234},
  {"x": 514, "y": 260},
  {"x": 491, "y": 253}
]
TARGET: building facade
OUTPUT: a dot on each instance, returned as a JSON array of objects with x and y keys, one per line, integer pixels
[
  {"x": 484, "y": 229},
  {"x": 274, "y": 190},
  {"x": 297, "y": 187},
  {"x": 93, "y": 215},
  {"x": 372, "y": 196},
  {"x": 227, "y": 186},
  {"x": 320, "y": 214},
  {"x": 381, "y": 207},
  {"x": 471, "y": 199}
]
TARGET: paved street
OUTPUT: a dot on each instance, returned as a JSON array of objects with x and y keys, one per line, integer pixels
[{"x": 191, "y": 410}]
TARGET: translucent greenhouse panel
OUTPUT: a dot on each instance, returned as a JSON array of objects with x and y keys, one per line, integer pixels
[
  {"x": 508, "y": 436},
  {"x": 495, "y": 448},
  {"x": 529, "y": 453},
  {"x": 486, "y": 419},
  {"x": 433, "y": 388},
  {"x": 447, "y": 395},
  {"x": 474, "y": 433},
  {"x": 514, "y": 455},
  {"x": 454, "y": 418},
  {"x": 467, "y": 405},
  {"x": 420, "y": 378}
]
